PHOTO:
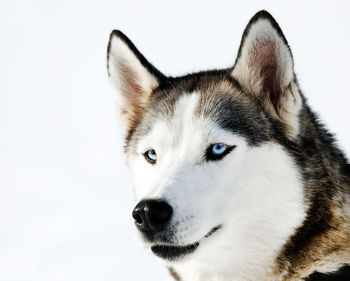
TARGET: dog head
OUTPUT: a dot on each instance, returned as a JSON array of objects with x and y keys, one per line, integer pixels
[{"x": 211, "y": 153}]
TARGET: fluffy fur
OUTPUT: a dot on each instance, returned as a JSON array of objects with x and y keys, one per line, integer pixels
[{"x": 277, "y": 206}]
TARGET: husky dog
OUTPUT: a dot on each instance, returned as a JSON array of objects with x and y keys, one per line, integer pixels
[{"x": 234, "y": 176}]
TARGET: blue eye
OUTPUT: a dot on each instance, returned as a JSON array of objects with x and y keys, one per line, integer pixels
[
  {"x": 151, "y": 156},
  {"x": 217, "y": 151}
]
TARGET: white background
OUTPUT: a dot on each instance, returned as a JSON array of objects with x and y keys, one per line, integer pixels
[{"x": 65, "y": 191}]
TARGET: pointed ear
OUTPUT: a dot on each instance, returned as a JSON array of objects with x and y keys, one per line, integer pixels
[
  {"x": 132, "y": 77},
  {"x": 264, "y": 68}
]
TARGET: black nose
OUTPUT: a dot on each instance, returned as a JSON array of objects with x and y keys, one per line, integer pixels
[{"x": 152, "y": 215}]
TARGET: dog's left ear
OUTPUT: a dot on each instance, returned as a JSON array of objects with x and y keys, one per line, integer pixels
[{"x": 264, "y": 68}]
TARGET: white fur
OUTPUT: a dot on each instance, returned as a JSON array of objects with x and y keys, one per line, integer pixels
[{"x": 255, "y": 193}]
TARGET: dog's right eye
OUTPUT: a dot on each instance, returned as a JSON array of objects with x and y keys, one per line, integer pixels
[{"x": 150, "y": 156}]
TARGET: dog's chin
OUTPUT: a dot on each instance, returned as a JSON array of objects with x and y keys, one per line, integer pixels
[{"x": 177, "y": 252}]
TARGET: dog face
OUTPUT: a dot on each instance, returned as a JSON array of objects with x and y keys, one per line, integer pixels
[{"x": 211, "y": 153}]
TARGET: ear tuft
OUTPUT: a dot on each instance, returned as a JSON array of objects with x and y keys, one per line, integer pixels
[
  {"x": 264, "y": 67},
  {"x": 132, "y": 77}
]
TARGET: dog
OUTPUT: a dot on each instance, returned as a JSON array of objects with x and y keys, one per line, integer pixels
[{"x": 235, "y": 177}]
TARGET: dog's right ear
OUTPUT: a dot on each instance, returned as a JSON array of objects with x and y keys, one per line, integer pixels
[{"x": 133, "y": 78}]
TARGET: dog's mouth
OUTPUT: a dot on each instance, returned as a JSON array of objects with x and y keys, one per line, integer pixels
[
  {"x": 173, "y": 252},
  {"x": 170, "y": 252}
]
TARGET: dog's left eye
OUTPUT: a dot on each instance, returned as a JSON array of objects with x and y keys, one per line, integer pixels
[{"x": 217, "y": 151}]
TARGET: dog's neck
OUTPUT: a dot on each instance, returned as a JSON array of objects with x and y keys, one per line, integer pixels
[{"x": 322, "y": 243}]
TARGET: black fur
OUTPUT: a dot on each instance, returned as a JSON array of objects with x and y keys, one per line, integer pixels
[{"x": 342, "y": 275}]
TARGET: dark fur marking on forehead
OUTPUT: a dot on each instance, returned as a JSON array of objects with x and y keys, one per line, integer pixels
[
  {"x": 236, "y": 113},
  {"x": 221, "y": 99},
  {"x": 165, "y": 96},
  {"x": 191, "y": 82}
]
